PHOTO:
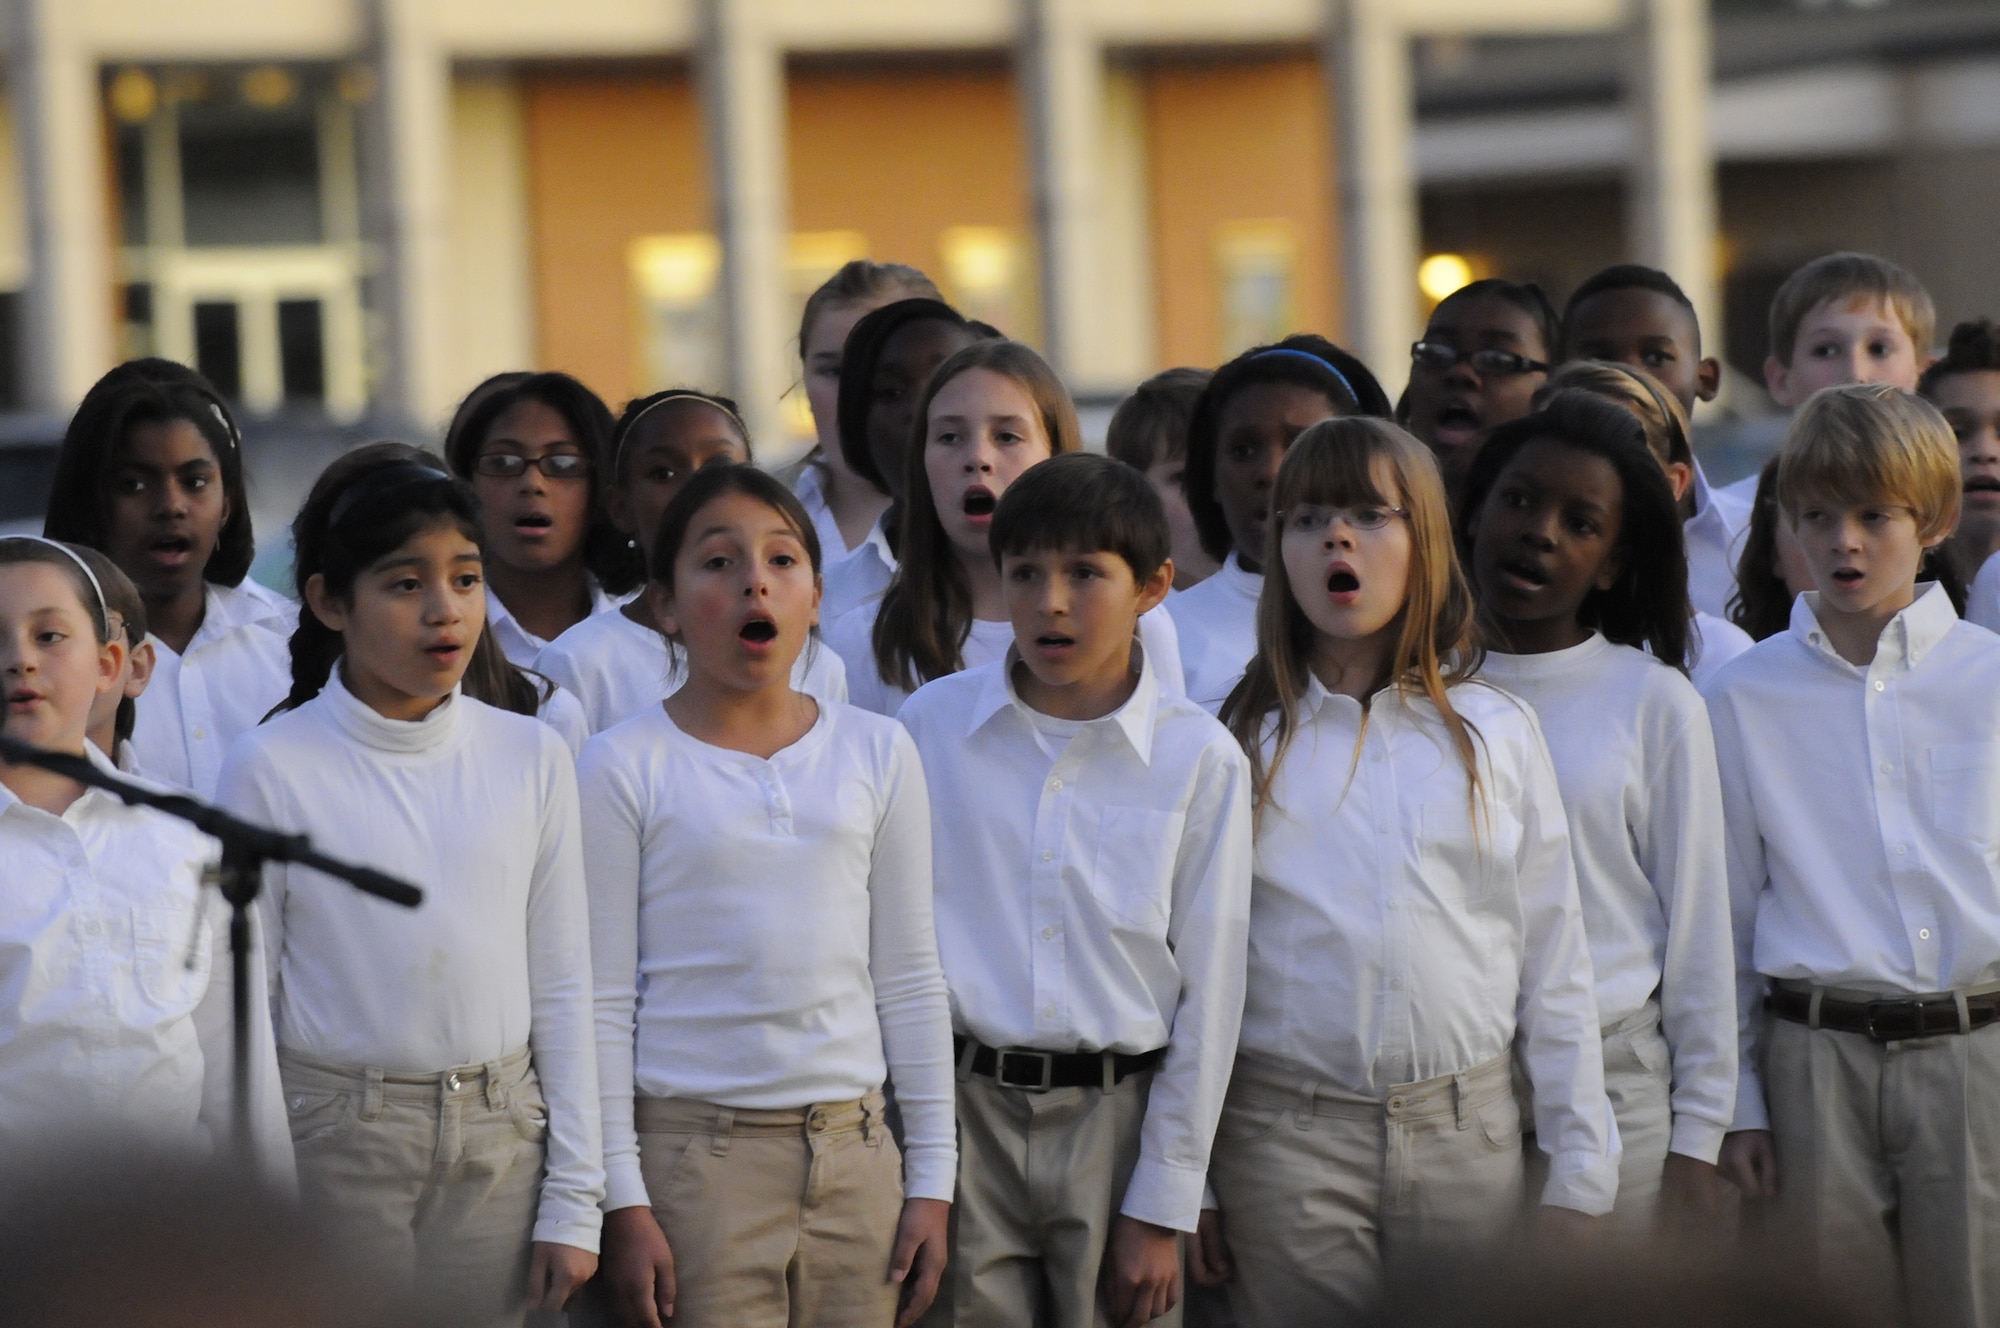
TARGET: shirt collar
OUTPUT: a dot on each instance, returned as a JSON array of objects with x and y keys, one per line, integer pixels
[
  {"x": 1905, "y": 640},
  {"x": 1241, "y": 579},
  {"x": 91, "y": 797},
  {"x": 366, "y": 725},
  {"x": 1135, "y": 719},
  {"x": 1704, "y": 499},
  {"x": 226, "y": 608}
]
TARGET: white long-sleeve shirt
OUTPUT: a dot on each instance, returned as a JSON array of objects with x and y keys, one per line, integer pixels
[
  {"x": 520, "y": 645},
  {"x": 1714, "y": 536},
  {"x": 853, "y": 639},
  {"x": 115, "y": 987},
  {"x": 761, "y": 930},
  {"x": 1712, "y": 643},
  {"x": 1863, "y": 812},
  {"x": 616, "y": 668},
  {"x": 856, "y": 578},
  {"x": 1636, "y": 764},
  {"x": 1982, "y": 597},
  {"x": 477, "y": 808},
  {"x": 1390, "y": 942},
  {"x": 1092, "y": 894},
  {"x": 1217, "y": 622},
  {"x": 236, "y": 667}
]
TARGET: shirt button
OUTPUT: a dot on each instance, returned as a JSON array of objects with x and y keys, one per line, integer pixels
[
  {"x": 1056, "y": 784},
  {"x": 1047, "y": 855},
  {"x": 1048, "y": 933},
  {"x": 200, "y": 733},
  {"x": 1048, "y": 1012},
  {"x": 1395, "y": 984},
  {"x": 1902, "y": 849},
  {"x": 1923, "y": 933},
  {"x": 1879, "y": 686}
]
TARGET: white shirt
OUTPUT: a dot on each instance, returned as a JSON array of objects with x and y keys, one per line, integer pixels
[
  {"x": 1714, "y": 536},
  {"x": 810, "y": 488},
  {"x": 1391, "y": 943},
  {"x": 115, "y": 1006},
  {"x": 853, "y": 639},
  {"x": 1098, "y": 900},
  {"x": 1218, "y": 631},
  {"x": 477, "y": 807},
  {"x": 1982, "y": 599},
  {"x": 1636, "y": 764},
  {"x": 761, "y": 930},
  {"x": 1712, "y": 643},
  {"x": 616, "y": 668},
  {"x": 1863, "y": 812},
  {"x": 562, "y": 712},
  {"x": 862, "y": 575},
  {"x": 236, "y": 667},
  {"x": 520, "y": 645}
]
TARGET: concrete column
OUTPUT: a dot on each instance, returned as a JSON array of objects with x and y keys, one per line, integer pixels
[
  {"x": 1670, "y": 195},
  {"x": 409, "y": 212},
  {"x": 67, "y": 334},
  {"x": 741, "y": 70},
  {"x": 1369, "y": 67}
]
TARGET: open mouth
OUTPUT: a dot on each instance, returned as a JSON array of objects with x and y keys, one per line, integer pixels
[
  {"x": 443, "y": 650},
  {"x": 1456, "y": 424},
  {"x": 1532, "y": 574},
  {"x": 1983, "y": 484},
  {"x": 979, "y": 501},
  {"x": 1848, "y": 576},
  {"x": 758, "y": 631},
  {"x": 1342, "y": 582},
  {"x": 534, "y": 521},
  {"x": 1052, "y": 641},
  {"x": 172, "y": 549}
]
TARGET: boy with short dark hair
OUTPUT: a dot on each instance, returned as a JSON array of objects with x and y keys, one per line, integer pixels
[
  {"x": 1860, "y": 761},
  {"x": 1149, "y": 432},
  {"x": 1639, "y": 316},
  {"x": 1092, "y": 918}
]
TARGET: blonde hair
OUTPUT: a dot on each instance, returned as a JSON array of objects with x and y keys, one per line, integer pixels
[
  {"x": 1658, "y": 413},
  {"x": 1437, "y": 647},
  {"x": 1851, "y": 278},
  {"x": 1863, "y": 443}
]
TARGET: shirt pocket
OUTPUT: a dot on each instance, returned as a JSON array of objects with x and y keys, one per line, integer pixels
[
  {"x": 1964, "y": 790},
  {"x": 1132, "y": 878},
  {"x": 1462, "y": 862},
  {"x": 171, "y": 956}
]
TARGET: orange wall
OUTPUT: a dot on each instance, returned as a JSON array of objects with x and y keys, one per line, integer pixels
[
  {"x": 899, "y": 152},
  {"x": 610, "y": 157},
  {"x": 1232, "y": 140}
]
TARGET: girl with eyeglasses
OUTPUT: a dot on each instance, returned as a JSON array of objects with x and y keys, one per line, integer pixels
[
  {"x": 533, "y": 447},
  {"x": 1484, "y": 352}
]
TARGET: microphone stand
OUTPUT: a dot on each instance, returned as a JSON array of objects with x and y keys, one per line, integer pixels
[{"x": 246, "y": 847}]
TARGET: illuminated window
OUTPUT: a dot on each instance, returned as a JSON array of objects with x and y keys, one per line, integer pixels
[
  {"x": 677, "y": 282},
  {"x": 1256, "y": 268},
  {"x": 989, "y": 275}
]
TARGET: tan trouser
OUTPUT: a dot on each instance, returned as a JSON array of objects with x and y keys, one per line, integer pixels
[
  {"x": 434, "y": 1179},
  {"x": 777, "y": 1219},
  {"x": 1638, "y": 1078},
  {"x": 1320, "y": 1188},
  {"x": 1889, "y": 1163},
  {"x": 1040, "y": 1178}
]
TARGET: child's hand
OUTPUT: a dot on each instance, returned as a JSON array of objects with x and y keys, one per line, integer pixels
[
  {"x": 921, "y": 1237},
  {"x": 1694, "y": 1193},
  {"x": 1749, "y": 1161},
  {"x": 1207, "y": 1251},
  {"x": 1563, "y": 1227},
  {"x": 639, "y": 1266},
  {"x": 1143, "y": 1271},
  {"x": 555, "y": 1274}
]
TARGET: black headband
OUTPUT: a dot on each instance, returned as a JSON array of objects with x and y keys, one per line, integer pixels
[{"x": 378, "y": 482}]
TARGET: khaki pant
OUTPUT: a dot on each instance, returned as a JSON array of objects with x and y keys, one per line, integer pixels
[
  {"x": 1321, "y": 1189},
  {"x": 1040, "y": 1178},
  {"x": 777, "y": 1219},
  {"x": 1638, "y": 1078},
  {"x": 1889, "y": 1163},
  {"x": 434, "y": 1179}
]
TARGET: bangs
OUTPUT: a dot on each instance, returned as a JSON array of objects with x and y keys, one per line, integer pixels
[{"x": 1332, "y": 464}]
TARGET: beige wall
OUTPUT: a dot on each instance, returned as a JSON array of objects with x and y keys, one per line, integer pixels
[{"x": 492, "y": 301}]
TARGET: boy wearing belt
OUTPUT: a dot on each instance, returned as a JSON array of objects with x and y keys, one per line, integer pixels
[
  {"x": 1091, "y": 842},
  {"x": 1860, "y": 761}
]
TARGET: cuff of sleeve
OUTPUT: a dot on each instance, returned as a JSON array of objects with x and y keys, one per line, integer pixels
[
  {"x": 578, "y": 1230},
  {"x": 1165, "y": 1195},
  {"x": 1587, "y": 1182},
  {"x": 1698, "y": 1139},
  {"x": 624, "y": 1187},
  {"x": 930, "y": 1173},
  {"x": 1751, "y": 1113}
]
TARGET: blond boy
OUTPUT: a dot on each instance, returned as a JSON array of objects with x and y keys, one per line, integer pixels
[
  {"x": 1847, "y": 318},
  {"x": 1860, "y": 761}
]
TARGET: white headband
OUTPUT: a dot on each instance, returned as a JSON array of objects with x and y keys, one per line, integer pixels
[{"x": 103, "y": 608}]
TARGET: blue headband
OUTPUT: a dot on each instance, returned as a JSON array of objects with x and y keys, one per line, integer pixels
[
  {"x": 1310, "y": 358},
  {"x": 378, "y": 482}
]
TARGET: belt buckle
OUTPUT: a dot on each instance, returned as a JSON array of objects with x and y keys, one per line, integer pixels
[
  {"x": 1875, "y": 1034},
  {"x": 1045, "y": 1059}
]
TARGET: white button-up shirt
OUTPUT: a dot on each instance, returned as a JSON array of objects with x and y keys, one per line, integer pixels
[
  {"x": 1982, "y": 597},
  {"x": 615, "y": 668},
  {"x": 1863, "y": 811},
  {"x": 851, "y": 580},
  {"x": 115, "y": 986},
  {"x": 520, "y": 645},
  {"x": 1715, "y": 535},
  {"x": 1636, "y": 763},
  {"x": 1392, "y": 942},
  {"x": 1092, "y": 894},
  {"x": 1217, "y": 623},
  {"x": 237, "y": 666}
]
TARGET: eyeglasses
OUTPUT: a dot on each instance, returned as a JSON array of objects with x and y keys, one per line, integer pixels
[
  {"x": 556, "y": 465},
  {"x": 1488, "y": 361},
  {"x": 1363, "y": 516}
]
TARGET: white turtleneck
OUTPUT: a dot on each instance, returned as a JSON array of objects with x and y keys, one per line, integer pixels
[{"x": 478, "y": 808}]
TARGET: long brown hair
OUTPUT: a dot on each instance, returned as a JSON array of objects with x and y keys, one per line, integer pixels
[
  {"x": 926, "y": 612},
  {"x": 1332, "y": 464}
]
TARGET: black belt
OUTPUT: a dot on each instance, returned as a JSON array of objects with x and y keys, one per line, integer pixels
[
  {"x": 1889, "y": 1020},
  {"x": 1039, "y": 1071}
]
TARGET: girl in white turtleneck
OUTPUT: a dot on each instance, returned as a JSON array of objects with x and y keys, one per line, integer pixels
[{"x": 438, "y": 1063}]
